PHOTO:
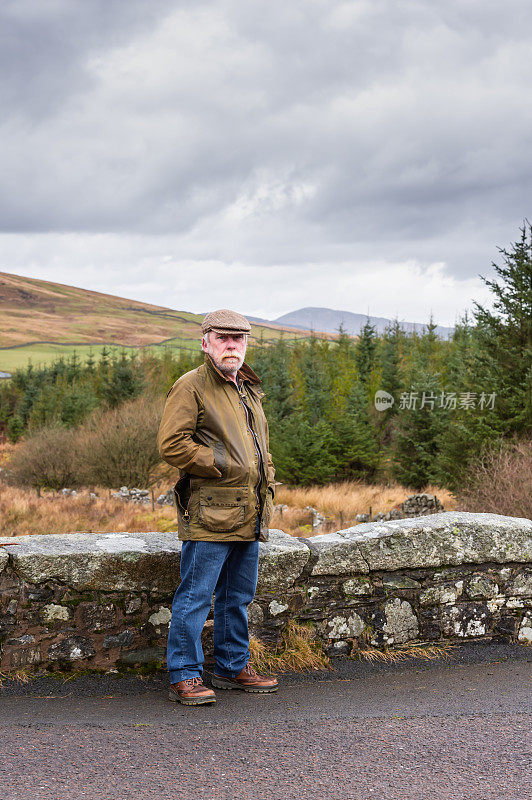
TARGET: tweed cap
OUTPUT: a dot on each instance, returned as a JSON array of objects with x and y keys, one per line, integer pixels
[{"x": 225, "y": 321}]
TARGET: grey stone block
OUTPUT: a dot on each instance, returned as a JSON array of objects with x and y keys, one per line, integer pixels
[
  {"x": 123, "y": 639},
  {"x": 106, "y": 561},
  {"x": 146, "y": 656},
  {"x": 71, "y": 648},
  {"x": 481, "y": 586},
  {"x": 450, "y": 538},
  {"x": 337, "y": 555},
  {"x": 521, "y": 585},
  {"x": 400, "y": 582},
  {"x": 281, "y": 562}
]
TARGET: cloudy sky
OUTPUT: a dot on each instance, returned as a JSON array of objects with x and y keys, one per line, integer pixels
[{"x": 264, "y": 155}]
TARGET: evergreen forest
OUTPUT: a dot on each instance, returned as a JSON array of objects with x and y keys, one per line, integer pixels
[{"x": 409, "y": 407}]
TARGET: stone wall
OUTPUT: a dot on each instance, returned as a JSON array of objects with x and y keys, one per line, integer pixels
[{"x": 103, "y": 600}]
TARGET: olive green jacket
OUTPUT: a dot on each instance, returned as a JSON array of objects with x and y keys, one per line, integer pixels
[{"x": 226, "y": 473}]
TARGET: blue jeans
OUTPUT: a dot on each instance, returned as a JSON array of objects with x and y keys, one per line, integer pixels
[{"x": 230, "y": 570}]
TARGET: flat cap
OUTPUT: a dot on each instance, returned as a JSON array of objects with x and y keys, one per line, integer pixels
[{"x": 225, "y": 321}]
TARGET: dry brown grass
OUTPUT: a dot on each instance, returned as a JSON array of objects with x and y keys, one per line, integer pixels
[
  {"x": 295, "y": 521},
  {"x": 20, "y": 675},
  {"x": 500, "y": 481},
  {"x": 363, "y": 650},
  {"x": 297, "y": 652},
  {"x": 341, "y": 502},
  {"x": 23, "y": 513}
]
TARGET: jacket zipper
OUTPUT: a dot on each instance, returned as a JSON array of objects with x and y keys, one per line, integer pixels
[{"x": 247, "y": 412}]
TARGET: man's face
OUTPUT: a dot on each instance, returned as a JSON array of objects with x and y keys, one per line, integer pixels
[{"x": 227, "y": 350}]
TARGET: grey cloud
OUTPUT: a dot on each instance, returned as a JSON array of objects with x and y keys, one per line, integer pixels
[
  {"x": 44, "y": 44},
  {"x": 269, "y": 131}
]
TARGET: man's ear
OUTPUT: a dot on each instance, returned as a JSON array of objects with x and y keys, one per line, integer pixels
[{"x": 204, "y": 344}]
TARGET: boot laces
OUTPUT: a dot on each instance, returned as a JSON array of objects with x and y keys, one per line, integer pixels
[
  {"x": 197, "y": 681},
  {"x": 250, "y": 671}
]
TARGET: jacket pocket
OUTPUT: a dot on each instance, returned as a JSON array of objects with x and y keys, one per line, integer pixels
[
  {"x": 222, "y": 508},
  {"x": 220, "y": 460},
  {"x": 182, "y": 494}
]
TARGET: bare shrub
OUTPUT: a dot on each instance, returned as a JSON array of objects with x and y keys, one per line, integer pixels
[
  {"x": 119, "y": 447},
  {"x": 500, "y": 480},
  {"x": 48, "y": 459}
]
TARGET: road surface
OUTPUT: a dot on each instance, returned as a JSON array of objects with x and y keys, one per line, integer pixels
[{"x": 452, "y": 729}]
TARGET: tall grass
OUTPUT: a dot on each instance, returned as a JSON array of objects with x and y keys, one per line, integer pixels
[
  {"x": 298, "y": 650},
  {"x": 22, "y": 512},
  {"x": 341, "y": 502}
]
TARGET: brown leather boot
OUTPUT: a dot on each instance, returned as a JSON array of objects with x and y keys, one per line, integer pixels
[
  {"x": 191, "y": 692},
  {"x": 248, "y": 680}
]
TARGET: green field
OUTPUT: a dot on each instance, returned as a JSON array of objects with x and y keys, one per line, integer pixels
[{"x": 42, "y": 354}]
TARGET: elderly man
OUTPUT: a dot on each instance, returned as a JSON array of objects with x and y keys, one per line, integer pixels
[{"x": 214, "y": 430}]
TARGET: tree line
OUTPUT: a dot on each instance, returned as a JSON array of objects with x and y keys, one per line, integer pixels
[{"x": 407, "y": 406}]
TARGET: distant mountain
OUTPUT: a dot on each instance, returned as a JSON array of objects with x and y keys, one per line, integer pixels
[{"x": 328, "y": 320}]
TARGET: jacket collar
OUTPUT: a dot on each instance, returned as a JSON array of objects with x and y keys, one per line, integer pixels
[{"x": 245, "y": 373}]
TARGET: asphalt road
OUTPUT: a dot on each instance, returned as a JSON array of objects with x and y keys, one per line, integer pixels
[{"x": 452, "y": 729}]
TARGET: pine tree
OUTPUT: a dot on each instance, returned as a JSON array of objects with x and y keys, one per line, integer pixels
[
  {"x": 73, "y": 367},
  {"x": 505, "y": 335},
  {"x": 15, "y": 428},
  {"x": 280, "y": 389},
  {"x": 90, "y": 363},
  {"x": 429, "y": 339},
  {"x": 467, "y": 427},
  {"x": 342, "y": 373},
  {"x": 77, "y": 402},
  {"x": 355, "y": 446},
  {"x": 345, "y": 344},
  {"x": 302, "y": 450},
  {"x": 104, "y": 359},
  {"x": 419, "y": 425},
  {"x": 316, "y": 380},
  {"x": 120, "y": 383},
  {"x": 366, "y": 350},
  {"x": 390, "y": 359}
]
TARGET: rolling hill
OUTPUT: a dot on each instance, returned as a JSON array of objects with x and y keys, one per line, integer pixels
[{"x": 40, "y": 320}]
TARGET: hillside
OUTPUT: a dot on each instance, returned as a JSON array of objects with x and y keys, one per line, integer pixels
[{"x": 36, "y": 311}]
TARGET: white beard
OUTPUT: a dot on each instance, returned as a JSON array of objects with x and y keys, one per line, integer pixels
[{"x": 224, "y": 367}]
